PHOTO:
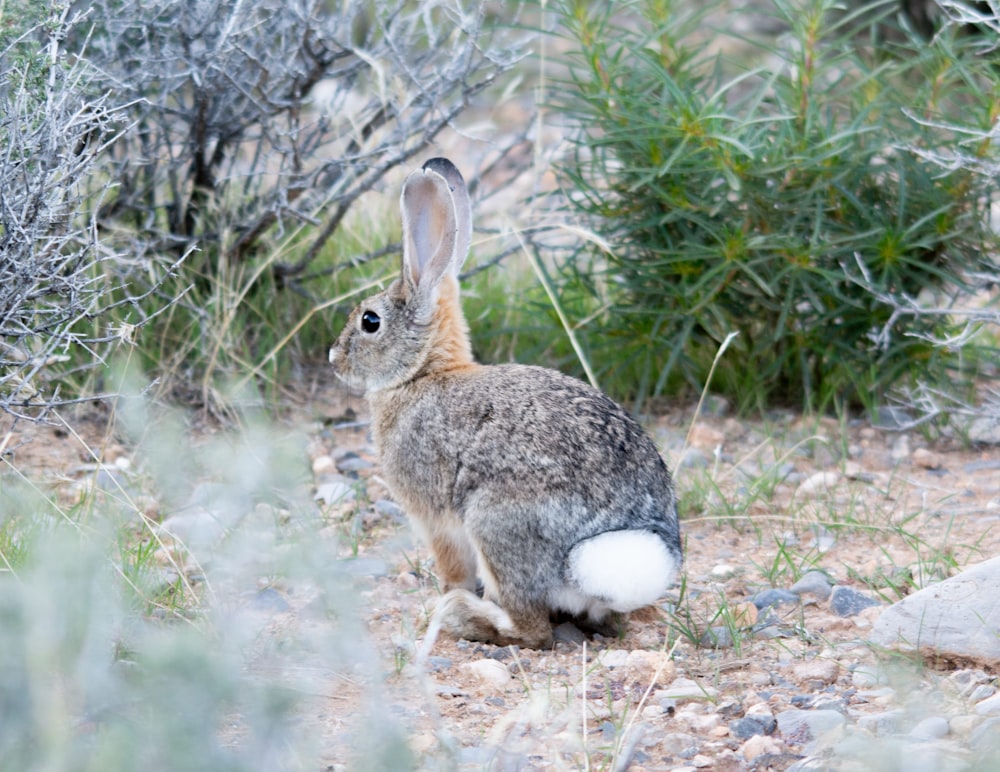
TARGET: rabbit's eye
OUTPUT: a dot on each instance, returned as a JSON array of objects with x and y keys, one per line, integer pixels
[{"x": 370, "y": 321}]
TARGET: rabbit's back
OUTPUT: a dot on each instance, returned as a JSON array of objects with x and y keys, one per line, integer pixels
[{"x": 562, "y": 460}]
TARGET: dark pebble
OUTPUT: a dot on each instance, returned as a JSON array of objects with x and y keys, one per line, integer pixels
[
  {"x": 980, "y": 466},
  {"x": 567, "y": 632},
  {"x": 773, "y": 597},
  {"x": 845, "y": 602},
  {"x": 437, "y": 664},
  {"x": 366, "y": 567},
  {"x": 749, "y": 726},
  {"x": 269, "y": 599},
  {"x": 352, "y": 462}
]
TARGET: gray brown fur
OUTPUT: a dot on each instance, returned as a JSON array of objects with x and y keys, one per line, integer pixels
[{"x": 504, "y": 468}]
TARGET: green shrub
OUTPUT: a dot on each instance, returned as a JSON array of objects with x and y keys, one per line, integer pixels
[{"x": 782, "y": 194}]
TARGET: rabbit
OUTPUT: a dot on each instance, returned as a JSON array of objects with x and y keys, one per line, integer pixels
[{"x": 531, "y": 480}]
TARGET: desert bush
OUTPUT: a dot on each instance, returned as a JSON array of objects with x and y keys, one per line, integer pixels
[
  {"x": 131, "y": 643},
  {"x": 257, "y": 131},
  {"x": 781, "y": 193},
  {"x": 64, "y": 300},
  {"x": 253, "y": 118}
]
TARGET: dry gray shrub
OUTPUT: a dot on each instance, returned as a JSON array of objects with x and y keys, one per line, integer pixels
[
  {"x": 62, "y": 302},
  {"x": 252, "y": 119}
]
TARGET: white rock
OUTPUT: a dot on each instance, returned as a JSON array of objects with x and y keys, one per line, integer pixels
[
  {"x": 613, "y": 657},
  {"x": 931, "y": 728},
  {"x": 818, "y": 484},
  {"x": 488, "y": 671},
  {"x": 647, "y": 667},
  {"x": 927, "y": 459},
  {"x": 800, "y": 727},
  {"x": 195, "y": 528},
  {"x": 985, "y": 430},
  {"x": 989, "y": 707},
  {"x": 758, "y": 745},
  {"x": 686, "y": 689},
  {"x": 867, "y": 676},
  {"x": 954, "y": 619},
  {"x": 723, "y": 571},
  {"x": 335, "y": 491},
  {"x": 322, "y": 465}
]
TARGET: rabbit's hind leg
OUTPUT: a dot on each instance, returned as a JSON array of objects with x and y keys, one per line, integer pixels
[
  {"x": 454, "y": 558},
  {"x": 465, "y": 615}
]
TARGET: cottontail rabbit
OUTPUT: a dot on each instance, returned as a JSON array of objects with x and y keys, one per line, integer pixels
[{"x": 533, "y": 480}]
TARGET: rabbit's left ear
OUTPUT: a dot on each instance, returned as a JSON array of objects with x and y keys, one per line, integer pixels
[{"x": 437, "y": 226}]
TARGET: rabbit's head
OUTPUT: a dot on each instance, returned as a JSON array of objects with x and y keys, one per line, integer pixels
[{"x": 415, "y": 327}]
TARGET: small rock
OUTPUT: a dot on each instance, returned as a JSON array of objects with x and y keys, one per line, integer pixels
[
  {"x": 882, "y": 724},
  {"x": 963, "y": 725},
  {"x": 716, "y": 637},
  {"x": 818, "y": 484},
  {"x": 703, "y": 723},
  {"x": 567, "y": 632},
  {"x": 389, "y": 509},
  {"x": 752, "y": 725},
  {"x": 800, "y": 727},
  {"x": 684, "y": 689},
  {"x": 846, "y": 602},
  {"x": 900, "y": 450},
  {"x": 823, "y": 670},
  {"x": 705, "y": 437},
  {"x": 824, "y": 540},
  {"x": 730, "y": 708},
  {"x": 760, "y": 745},
  {"x": 965, "y": 681},
  {"x": 815, "y": 583},
  {"x": 374, "y": 568},
  {"x": 723, "y": 571},
  {"x": 335, "y": 491},
  {"x": 489, "y": 672},
  {"x": 680, "y": 744},
  {"x": 989, "y": 707},
  {"x": 980, "y": 466},
  {"x": 437, "y": 664},
  {"x": 650, "y": 667},
  {"x": 867, "y": 676},
  {"x": 985, "y": 430},
  {"x": 269, "y": 599},
  {"x": 353, "y": 463},
  {"x": 927, "y": 459},
  {"x": 931, "y": 728},
  {"x": 422, "y": 743},
  {"x": 693, "y": 458},
  {"x": 613, "y": 657},
  {"x": 773, "y": 597},
  {"x": 323, "y": 465},
  {"x": 744, "y": 615},
  {"x": 985, "y": 738},
  {"x": 981, "y": 692},
  {"x": 195, "y": 528}
]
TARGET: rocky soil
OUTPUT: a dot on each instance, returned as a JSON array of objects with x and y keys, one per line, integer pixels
[{"x": 799, "y": 535}]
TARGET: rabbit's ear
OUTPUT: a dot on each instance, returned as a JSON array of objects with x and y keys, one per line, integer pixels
[{"x": 437, "y": 226}]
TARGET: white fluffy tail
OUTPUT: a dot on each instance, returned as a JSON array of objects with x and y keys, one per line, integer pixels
[{"x": 624, "y": 569}]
